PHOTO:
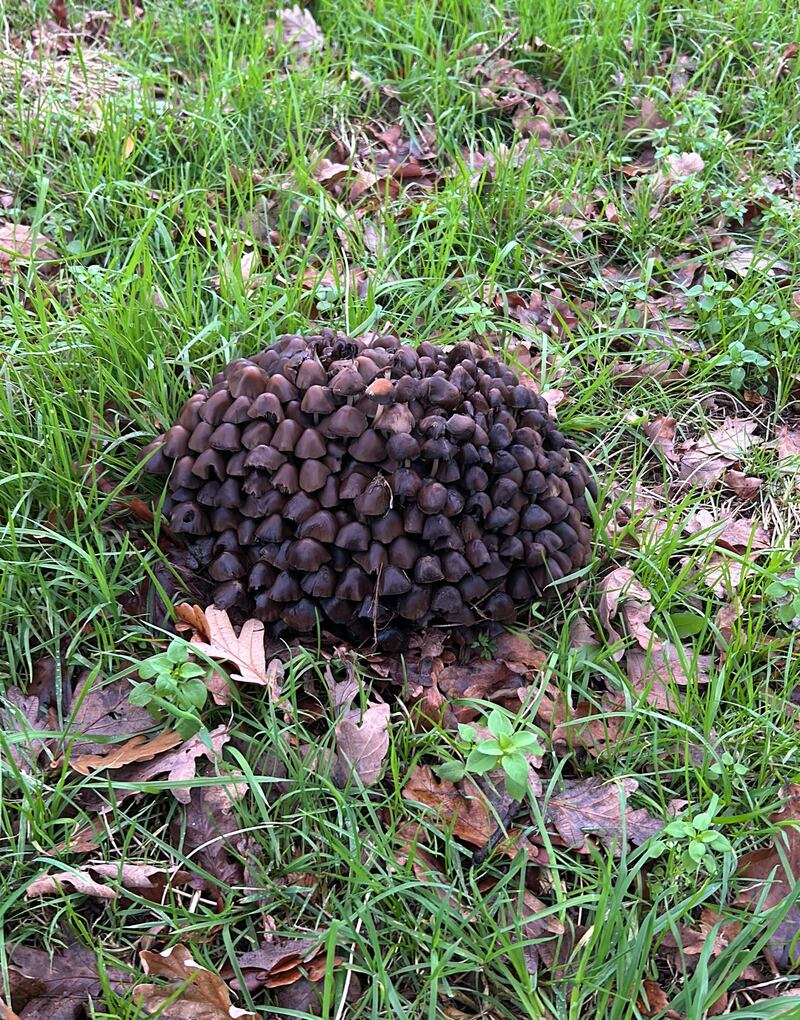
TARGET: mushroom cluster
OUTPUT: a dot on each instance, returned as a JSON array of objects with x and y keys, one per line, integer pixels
[{"x": 366, "y": 485}]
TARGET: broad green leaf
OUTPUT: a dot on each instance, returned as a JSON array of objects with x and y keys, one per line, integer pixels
[
  {"x": 516, "y": 768},
  {"x": 478, "y": 762},
  {"x": 451, "y": 771},
  {"x": 140, "y": 695},
  {"x": 499, "y": 724},
  {"x": 177, "y": 652}
]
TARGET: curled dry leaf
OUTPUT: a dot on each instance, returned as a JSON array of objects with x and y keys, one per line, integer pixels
[
  {"x": 684, "y": 164},
  {"x": 300, "y": 32},
  {"x": 462, "y": 807},
  {"x": 623, "y": 594},
  {"x": 541, "y": 931},
  {"x": 207, "y": 832},
  {"x": 19, "y": 714},
  {"x": 771, "y": 874},
  {"x": 744, "y": 259},
  {"x": 661, "y": 433},
  {"x": 21, "y": 244},
  {"x": 278, "y": 963},
  {"x": 362, "y": 742},
  {"x": 190, "y": 992},
  {"x": 138, "y": 748},
  {"x": 744, "y": 486},
  {"x": 593, "y": 807},
  {"x": 178, "y": 765},
  {"x": 145, "y": 880},
  {"x": 100, "y": 715},
  {"x": 246, "y": 651},
  {"x": 58, "y": 987}
]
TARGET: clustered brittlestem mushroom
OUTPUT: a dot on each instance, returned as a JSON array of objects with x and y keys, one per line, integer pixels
[{"x": 365, "y": 484}]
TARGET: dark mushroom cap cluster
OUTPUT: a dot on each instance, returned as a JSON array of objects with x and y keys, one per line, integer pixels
[{"x": 369, "y": 484}]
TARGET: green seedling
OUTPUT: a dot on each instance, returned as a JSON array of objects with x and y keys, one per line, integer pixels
[
  {"x": 700, "y": 846},
  {"x": 177, "y": 691},
  {"x": 505, "y": 749}
]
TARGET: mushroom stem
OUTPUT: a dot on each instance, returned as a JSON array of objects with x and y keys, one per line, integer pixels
[{"x": 434, "y": 467}]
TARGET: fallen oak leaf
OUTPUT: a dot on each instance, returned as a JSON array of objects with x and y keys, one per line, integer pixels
[
  {"x": 145, "y": 880},
  {"x": 246, "y": 651},
  {"x": 19, "y": 243},
  {"x": 58, "y": 987},
  {"x": 623, "y": 594},
  {"x": 207, "y": 829},
  {"x": 191, "y": 992},
  {"x": 594, "y": 807},
  {"x": 462, "y": 808},
  {"x": 138, "y": 748},
  {"x": 362, "y": 743},
  {"x": 278, "y": 963},
  {"x": 772, "y": 875},
  {"x": 178, "y": 765},
  {"x": 101, "y": 714}
]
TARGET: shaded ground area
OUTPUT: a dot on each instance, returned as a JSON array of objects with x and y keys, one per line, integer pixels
[{"x": 593, "y": 815}]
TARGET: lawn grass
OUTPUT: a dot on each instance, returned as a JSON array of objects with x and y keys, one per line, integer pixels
[{"x": 191, "y": 137}]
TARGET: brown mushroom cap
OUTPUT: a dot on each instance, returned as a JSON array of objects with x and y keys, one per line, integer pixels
[{"x": 361, "y": 483}]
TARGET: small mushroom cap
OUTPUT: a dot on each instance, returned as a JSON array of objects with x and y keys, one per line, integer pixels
[
  {"x": 402, "y": 446},
  {"x": 381, "y": 391},
  {"x": 313, "y": 475},
  {"x": 348, "y": 382},
  {"x": 307, "y": 554},
  {"x": 286, "y": 435},
  {"x": 387, "y": 528},
  {"x": 190, "y": 519},
  {"x": 249, "y": 381},
  {"x": 226, "y": 437},
  {"x": 176, "y": 442},
  {"x": 311, "y": 373},
  {"x": 318, "y": 400},
  {"x": 310, "y": 445},
  {"x": 346, "y": 422},
  {"x": 370, "y": 448},
  {"x": 322, "y": 526},
  {"x": 155, "y": 460},
  {"x": 267, "y": 406},
  {"x": 227, "y": 566},
  {"x": 395, "y": 419},
  {"x": 355, "y": 585},
  {"x": 265, "y": 457},
  {"x": 354, "y": 537}
]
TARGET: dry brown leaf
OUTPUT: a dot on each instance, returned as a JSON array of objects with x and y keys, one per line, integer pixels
[
  {"x": 770, "y": 881},
  {"x": 276, "y": 964},
  {"x": 684, "y": 164},
  {"x": 300, "y": 32},
  {"x": 136, "y": 749},
  {"x": 19, "y": 243},
  {"x": 461, "y": 807},
  {"x": 61, "y": 987},
  {"x": 178, "y": 765},
  {"x": 541, "y": 931},
  {"x": 362, "y": 742},
  {"x": 661, "y": 433},
  {"x": 593, "y": 807},
  {"x": 21, "y": 715},
  {"x": 623, "y": 594},
  {"x": 190, "y": 993},
  {"x": 245, "y": 651},
  {"x": 146, "y": 880},
  {"x": 646, "y": 121},
  {"x": 742, "y": 260},
  {"x": 744, "y": 486},
  {"x": 192, "y": 618},
  {"x": 208, "y": 831},
  {"x": 99, "y": 713},
  {"x": 653, "y": 1001}
]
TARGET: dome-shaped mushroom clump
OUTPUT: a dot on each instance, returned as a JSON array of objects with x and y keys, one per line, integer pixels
[{"x": 369, "y": 484}]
